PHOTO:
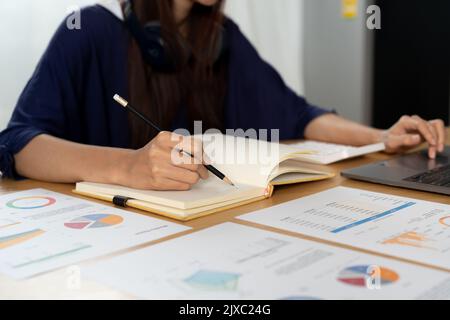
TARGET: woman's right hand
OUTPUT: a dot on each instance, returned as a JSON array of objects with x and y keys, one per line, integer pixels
[{"x": 154, "y": 167}]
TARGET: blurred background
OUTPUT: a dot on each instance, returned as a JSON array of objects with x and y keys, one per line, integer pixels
[{"x": 323, "y": 49}]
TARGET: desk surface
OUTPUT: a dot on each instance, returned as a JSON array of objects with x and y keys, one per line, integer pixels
[{"x": 54, "y": 285}]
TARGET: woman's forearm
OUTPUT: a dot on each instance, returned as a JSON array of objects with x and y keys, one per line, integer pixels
[
  {"x": 51, "y": 159},
  {"x": 334, "y": 129},
  {"x": 47, "y": 158}
]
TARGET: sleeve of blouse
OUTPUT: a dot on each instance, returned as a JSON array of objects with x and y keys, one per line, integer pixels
[
  {"x": 41, "y": 106},
  {"x": 260, "y": 98}
]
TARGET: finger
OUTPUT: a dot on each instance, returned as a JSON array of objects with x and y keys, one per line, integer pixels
[
  {"x": 181, "y": 175},
  {"x": 192, "y": 146},
  {"x": 168, "y": 140},
  {"x": 166, "y": 184},
  {"x": 182, "y": 160},
  {"x": 206, "y": 158},
  {"x": 197, "y": 168},
  {"x": 188, "y": 163},
  {"x": 177, "y": 159},
  {"x": 439, "y": 126},
  {"x": 181, "y": 147},
  {"x": 197, "y": 163},
  {"x": 432, "y": 150},
  {"x": 412, "y": 140},
  {"x": 397, "y": 143},
  {"x": 424, "y": 129},
  {"x": 203, "y": 172},
  {"x": 408, "y": 123}
]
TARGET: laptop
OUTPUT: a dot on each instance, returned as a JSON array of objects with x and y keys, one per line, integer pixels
[{"x": 412, "y": 171}]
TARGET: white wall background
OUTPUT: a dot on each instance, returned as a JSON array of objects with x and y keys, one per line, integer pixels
[{"x": 274, "y": 26}]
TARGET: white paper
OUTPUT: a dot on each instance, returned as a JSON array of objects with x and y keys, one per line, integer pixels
[
  {"x": 232, "y": 261},
  {"x": 400, "y": 227},
  {"x": 42, "y": 230},
  {"x": 246, "y": 161},
  {"x": 328, "y": 153}
]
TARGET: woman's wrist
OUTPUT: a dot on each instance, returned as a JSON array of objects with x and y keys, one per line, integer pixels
[
  {"x": 378, "y": 136},
  {"x": 107, "y": 165},
  {"x": 120, "y": 168}
]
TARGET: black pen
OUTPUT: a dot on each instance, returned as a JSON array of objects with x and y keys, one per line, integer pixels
[{"x": 124, "y": 103}]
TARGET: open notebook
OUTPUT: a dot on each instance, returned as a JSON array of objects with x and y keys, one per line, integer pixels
[{"x": 254, "y": 166}]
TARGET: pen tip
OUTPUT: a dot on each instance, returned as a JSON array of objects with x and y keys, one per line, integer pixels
[
  {"x": 121, "y": 101},
  {"x": 229, "y": 182}
]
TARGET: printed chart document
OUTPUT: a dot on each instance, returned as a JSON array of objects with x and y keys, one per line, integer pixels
[
  {"x": 232, "y": 261},
  {"x": 42, "y": 230},
  {"x": 400, "y": 227}
]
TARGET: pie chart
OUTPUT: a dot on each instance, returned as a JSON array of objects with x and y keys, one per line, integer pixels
[
  {"x": 94, "y": 221},
  {"x": 30, "y": 202},
  {"x": 445, "y": 221},
  {"x": 358, "y": 275}
]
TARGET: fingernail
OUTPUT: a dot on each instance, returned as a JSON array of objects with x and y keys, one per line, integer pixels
[{"x": 432, "y": 154}]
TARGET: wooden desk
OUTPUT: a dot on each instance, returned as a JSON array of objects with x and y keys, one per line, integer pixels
[{"x": 54, "y": 285}]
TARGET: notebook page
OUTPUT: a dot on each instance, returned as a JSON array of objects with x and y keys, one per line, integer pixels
[
  {"x": 246, "y": 161},
  {"x": 328, "y": 153}
]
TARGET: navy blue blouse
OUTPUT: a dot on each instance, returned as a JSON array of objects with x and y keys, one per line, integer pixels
[{"x": 70, "y": 93}]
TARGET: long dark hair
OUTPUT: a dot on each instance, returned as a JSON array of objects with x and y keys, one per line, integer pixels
[{"x": 199, "y": 86}]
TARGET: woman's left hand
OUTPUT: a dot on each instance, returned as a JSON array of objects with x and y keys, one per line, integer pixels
[{"x": 411, "y": 131}]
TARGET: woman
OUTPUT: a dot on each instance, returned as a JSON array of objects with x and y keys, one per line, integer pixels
[{"x": 66, "y": 128}]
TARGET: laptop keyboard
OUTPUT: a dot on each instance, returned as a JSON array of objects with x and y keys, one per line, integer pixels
[{"x": 436, "y": 177}]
